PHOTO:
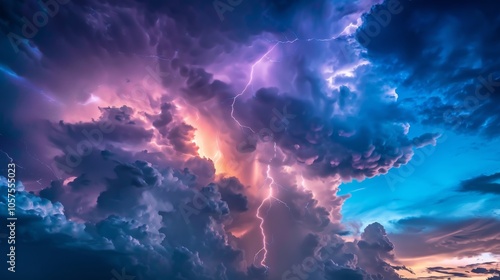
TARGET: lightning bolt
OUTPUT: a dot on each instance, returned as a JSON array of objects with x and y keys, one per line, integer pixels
[
  {"x": 245, "y": 88},
  {"x": 270, "y": 195},
  {"x": 266, "y": 54},
  {"x": 40, "y": 161},
  {"x": 10, "y": 158},
  {"x": 252, "y": 69},
  {"x": 269, "y": 198}
]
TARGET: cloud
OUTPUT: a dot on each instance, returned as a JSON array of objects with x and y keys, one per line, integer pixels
[
  {"x": 466, "y": 271},
  {"x": 482, "y": 184},
  {"x": 446, "y": 270},
  {"x": 445, "y": 53},
  {"x": 180, "y": 137},
  {"x": 119, "y": 145},
  {"x": 376, "y": 250},
  {"x": 317, "y": 140},
  {"x": 482, "y": 270},
  {"x": 232, "y": 191},
  {"x": 402, "y": 267},
  {"x": 132, "y": 238},
  {"x": 445, "y": 237},
  {"x": 426, "y": 139}
]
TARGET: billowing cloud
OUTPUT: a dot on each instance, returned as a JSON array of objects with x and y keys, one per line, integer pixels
[
  {"x": 208, "y": 140},
  {"x": 445, "y": 53}
]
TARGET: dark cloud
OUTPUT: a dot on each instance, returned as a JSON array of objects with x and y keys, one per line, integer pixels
[
  {"x": 344, "y": 273},
  {"x": 375, "y": 143},
  {"x": 132, "y": 236},
  {"x": 482, "y": 184},
  {"x": 232, "y": 191},
  {"x": 447, "y": 271},
  {"x": 164, "y": 118},
  {"x": 319, "y": 143},
  {"x": 181, "y": 137},
  {"x": 446, "y": 54},
  {"x": 376, "y": 251},
  {"x": 402, "y": 267},
  {"x": 138, "y": 223},
  {"x": 482, "y": 270}
]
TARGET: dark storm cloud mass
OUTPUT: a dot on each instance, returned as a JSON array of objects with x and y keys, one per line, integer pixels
[
  {"x": 128, "y": 212},
  {"x": 353, "y": 145},
  {"x": 149, "y": 243},
  {"x": 133, "y": 219},
  {"x": 136, "y": 222},
  {"x": 232, "y": 191},
  {"x": 123, "y": 129},
  {"x": 124, "y": 205},
  {"x": 445, "y": 53}
]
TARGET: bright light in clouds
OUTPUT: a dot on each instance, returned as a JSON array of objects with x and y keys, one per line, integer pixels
[
  {"x": 391, "y": 94},
  {"x": 331, "y": 75},
  {"x": 92, "y": 99}
]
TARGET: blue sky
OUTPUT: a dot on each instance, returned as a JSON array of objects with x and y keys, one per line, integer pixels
[{"x": 432, "y": 188}]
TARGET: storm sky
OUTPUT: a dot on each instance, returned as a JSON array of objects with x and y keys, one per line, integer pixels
[{"x": 264, "y": 139}]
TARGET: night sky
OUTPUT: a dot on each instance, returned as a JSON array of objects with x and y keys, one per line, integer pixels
[{"x": 251, "y": 139}]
